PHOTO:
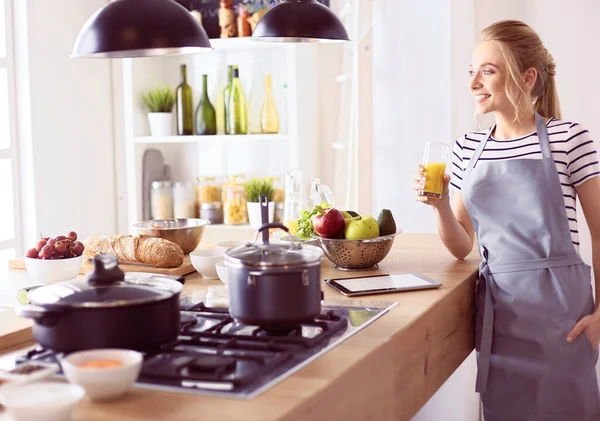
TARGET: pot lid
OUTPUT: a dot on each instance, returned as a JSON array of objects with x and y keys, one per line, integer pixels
[
  {"x": 128, "y": 289},
  {"x": 291, "y": 254}
]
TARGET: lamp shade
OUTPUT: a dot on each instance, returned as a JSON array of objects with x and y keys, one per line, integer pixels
[
  {"x": 140, "y": 28},
  {"x": 300, "y": 21}
]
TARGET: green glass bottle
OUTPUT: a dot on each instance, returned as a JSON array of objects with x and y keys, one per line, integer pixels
[
  {"x": 184, "y": 105},
  {"x": 238, "y": 117},
  {"x": 226, "y": 93},
  {"x": 206, "y": 117}
]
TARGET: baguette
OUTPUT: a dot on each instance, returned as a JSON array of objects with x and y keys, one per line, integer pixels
[{"x": 154, "y": 251}]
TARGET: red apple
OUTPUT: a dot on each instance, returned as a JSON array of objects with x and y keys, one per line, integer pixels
[{"x": 329, "y": 223}]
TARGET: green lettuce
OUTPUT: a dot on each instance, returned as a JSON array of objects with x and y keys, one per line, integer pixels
[{"x": 305, "y": 225}]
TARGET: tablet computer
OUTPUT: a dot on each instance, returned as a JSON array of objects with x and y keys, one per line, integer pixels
[{"x": 380, "y": 284}]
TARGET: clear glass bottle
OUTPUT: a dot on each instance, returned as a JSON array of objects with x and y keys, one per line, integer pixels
[
  {"x": 269, "y": 119},
  {"x": 161, "y": 199}
]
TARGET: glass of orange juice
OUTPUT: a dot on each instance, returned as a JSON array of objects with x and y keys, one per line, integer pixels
[{"x": 435, "y": 156}]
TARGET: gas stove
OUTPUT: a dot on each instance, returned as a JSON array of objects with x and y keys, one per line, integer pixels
[{"x": 215, "y": 355}]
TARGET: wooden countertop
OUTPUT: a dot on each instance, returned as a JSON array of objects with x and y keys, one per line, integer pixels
[{"x": 387, "y": 371}]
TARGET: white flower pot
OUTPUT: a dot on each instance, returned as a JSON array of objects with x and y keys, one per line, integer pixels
[
  {"x": 161, "y": 124},
  {"x": 254, "y": 213}
]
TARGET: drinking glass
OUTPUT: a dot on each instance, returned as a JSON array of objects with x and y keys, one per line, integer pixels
[{"x": 435, "y": 156}]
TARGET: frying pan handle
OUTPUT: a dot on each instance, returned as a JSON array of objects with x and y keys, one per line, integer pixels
[{"x": 41, "y": 315}]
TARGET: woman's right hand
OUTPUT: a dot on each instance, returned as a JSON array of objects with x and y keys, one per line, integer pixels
[{"x": 419, "y": 184}]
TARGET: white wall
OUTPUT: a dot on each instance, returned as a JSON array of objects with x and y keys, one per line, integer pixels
[{"x": 70, "y": 143}]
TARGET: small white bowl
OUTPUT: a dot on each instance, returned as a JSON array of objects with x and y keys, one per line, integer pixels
[
  {"x": 50, "y": 271},
  {"x": 204, "y": 262},
  {"x": 103, "y": 383},
  {"x": 45, "y": 401},
  {"x": 223, "y": 246},
  {"x": 222, "y": 272}
]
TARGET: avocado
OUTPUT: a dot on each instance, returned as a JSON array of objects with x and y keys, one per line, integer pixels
[
  {"x": 385, "y": 220},
  {"x": 352, "y": 213}
]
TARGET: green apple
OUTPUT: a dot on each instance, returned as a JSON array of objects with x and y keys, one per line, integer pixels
[{"x": 361, "y": 228}]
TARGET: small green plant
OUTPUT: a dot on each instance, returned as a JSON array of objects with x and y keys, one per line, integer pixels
[
  {"x": 160, "y": 100},
  {"x": 258, "y": 186}
]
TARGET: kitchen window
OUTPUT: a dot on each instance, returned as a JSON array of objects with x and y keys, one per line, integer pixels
[{"x": 10, "y": 235}]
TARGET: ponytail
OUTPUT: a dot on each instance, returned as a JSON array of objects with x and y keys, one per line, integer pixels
[{"x": 547, "y": 103}]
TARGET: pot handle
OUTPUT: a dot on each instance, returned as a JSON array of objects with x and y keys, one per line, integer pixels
[
  {"x": 254, "y": 275},
  {"x": 274, "y": 225},
  {"x": 40, "y": 314}
]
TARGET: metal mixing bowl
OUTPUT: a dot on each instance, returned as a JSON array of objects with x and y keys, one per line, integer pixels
[
  {"x": 186, "y": 232},
  {"x": 357, "y": 254}
]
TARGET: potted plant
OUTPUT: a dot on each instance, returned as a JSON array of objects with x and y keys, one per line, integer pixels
[
  {"x": 254, "y": 188},
  {"x": 160, "y": 103}
]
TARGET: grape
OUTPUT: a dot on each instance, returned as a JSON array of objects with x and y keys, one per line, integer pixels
[
  {"x": 46, "y": 251},
  {"x": 41, "y": 243},
  {"x": 45, "y": 238},
  {"x": 50, "y": 242},
  {"x": 60, "y": 238},
  {"x": 56, "y": 256},
  {"x": 60, "y": 246},
  {"x": 32, "y": 253},
  {"x": 77, "y": 248},
  {"x": 72, "y": 236},
  {"x": 69, "y": 255}
]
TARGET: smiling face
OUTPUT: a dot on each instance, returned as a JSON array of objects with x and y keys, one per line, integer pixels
[{"x": 488, "y": 73}]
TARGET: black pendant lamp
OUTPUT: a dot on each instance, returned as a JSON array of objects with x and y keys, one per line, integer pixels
[
  {"x": 140, "y": 28},
  {"x": 300, "y": 21}
]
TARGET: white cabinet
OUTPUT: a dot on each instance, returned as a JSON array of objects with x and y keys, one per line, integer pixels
[{"x": 295, "y": 72}]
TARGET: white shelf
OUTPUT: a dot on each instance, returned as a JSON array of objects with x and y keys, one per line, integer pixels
[{"x": 211, "y": 138}]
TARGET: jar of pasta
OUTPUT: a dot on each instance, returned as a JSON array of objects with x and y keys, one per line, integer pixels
[
  {"x": 208, "y": 190},
  {"x": 234, "y": 205}
]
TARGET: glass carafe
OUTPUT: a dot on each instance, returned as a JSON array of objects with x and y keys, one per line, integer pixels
[{"x": 303, "y": 192}]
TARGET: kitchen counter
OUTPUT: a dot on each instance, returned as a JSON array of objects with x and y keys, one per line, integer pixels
[{"x": 387, "y": 371}]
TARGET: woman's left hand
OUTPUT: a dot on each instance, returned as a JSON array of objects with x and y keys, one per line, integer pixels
[{"x": 590, "y": 326}]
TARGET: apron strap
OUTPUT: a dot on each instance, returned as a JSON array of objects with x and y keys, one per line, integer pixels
[
  {"x": 478, "y": 152},
  {"x": 542, "y": 134}
]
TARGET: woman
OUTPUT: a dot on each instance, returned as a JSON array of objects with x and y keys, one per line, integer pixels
[{"x": 537, "y": 329}]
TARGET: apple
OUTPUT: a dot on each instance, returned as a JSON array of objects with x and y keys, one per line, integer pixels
[
  {"x": 361, "y": 228},
  {"x": 329, "y": 223}
]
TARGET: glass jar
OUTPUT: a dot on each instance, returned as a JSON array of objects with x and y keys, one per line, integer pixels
[
  {"x": 184, "y": 200},
  {"x": 161, "y": 199},
  {"x": 234, "y": 205},
  {"x": 208, "y": 190},
  {"x": 212, "y": 211}
]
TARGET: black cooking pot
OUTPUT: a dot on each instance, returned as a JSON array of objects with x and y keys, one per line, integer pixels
[
  {"x": 276, "y": 286},
  {"x": 109, "y": 309}
]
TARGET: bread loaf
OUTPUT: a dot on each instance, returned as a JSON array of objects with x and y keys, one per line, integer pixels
[{"x": 154, "y": 251}]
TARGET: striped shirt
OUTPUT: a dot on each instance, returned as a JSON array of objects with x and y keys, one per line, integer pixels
[{"x": 572, "y": 147}]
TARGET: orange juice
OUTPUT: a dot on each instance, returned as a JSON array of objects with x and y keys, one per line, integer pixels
[{"x": 434, "y": 184}]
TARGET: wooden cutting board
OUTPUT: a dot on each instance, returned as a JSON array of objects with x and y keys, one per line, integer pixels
[{"x": 86, "y": 267}]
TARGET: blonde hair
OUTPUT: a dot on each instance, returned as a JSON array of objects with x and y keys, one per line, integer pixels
[{"x": 522, "y": 49}]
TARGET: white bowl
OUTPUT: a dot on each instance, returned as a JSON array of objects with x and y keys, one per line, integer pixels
[
  {"x": 41, "y": 401},
  {"x": 223, "y": 246},
  {"x": 204, "y": 261},
  {"x": 222, "y": 272},
  {"x": 50, "y": 271},
  {"x": 103, "y": 383}
]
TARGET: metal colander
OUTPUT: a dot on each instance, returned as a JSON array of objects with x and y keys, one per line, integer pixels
[{"x": 357, "y": 254}]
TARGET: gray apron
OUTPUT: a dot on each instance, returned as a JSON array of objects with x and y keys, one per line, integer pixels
[{"x": 533, "y": 288}]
